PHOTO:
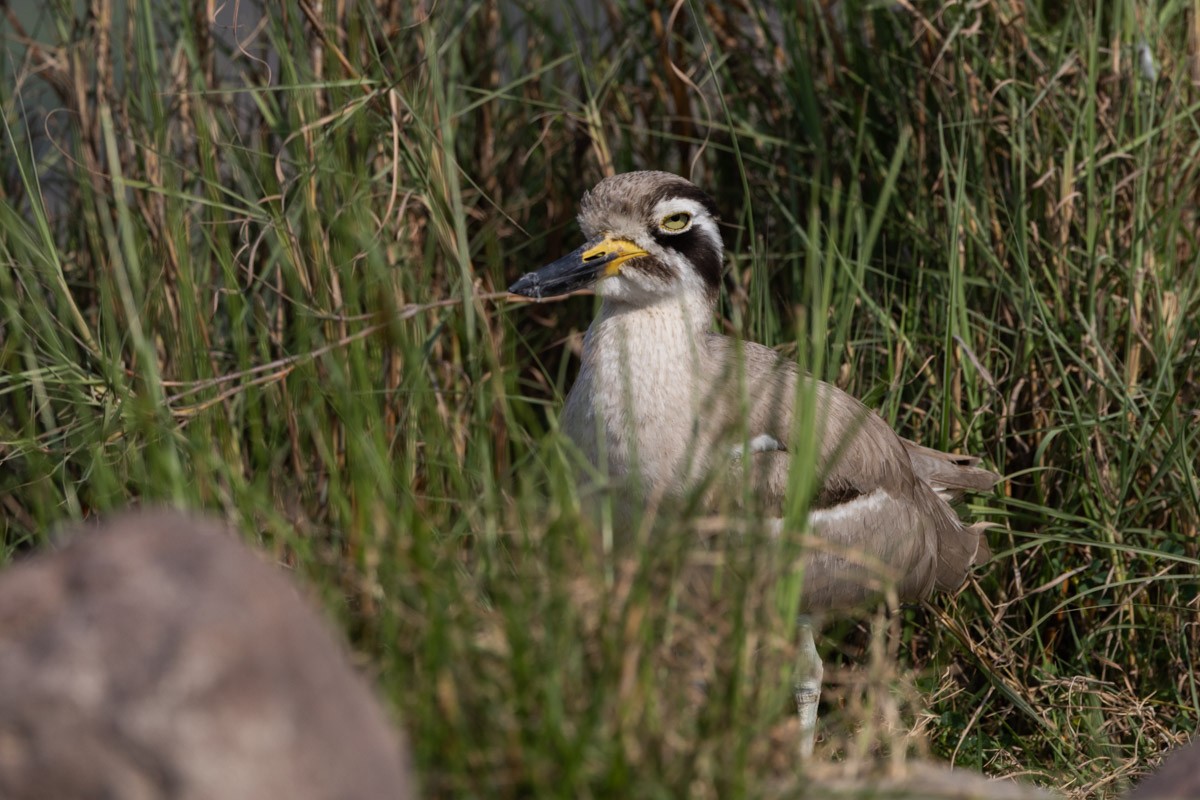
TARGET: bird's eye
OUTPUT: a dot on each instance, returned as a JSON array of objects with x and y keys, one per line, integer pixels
[{"x": 674, "y": 223}]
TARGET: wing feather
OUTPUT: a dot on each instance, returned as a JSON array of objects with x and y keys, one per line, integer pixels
[{"x": 880, "y": 497}]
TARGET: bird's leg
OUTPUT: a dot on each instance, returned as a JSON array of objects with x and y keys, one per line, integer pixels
[{"x": 807, "y": 684}]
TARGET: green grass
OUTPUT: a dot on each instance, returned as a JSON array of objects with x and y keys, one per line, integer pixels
[{"x": 265, "y": 283}]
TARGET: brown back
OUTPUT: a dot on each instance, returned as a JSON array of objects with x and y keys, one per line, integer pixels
[{"x": 912, "y": 528}]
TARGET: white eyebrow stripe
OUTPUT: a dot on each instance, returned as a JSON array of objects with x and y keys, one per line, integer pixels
[
  {"x": 674, "y": 205},
  {"x": 701, "y": 218}
]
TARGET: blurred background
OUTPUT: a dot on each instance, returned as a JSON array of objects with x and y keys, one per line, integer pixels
[{"x": 252, "y": 260}]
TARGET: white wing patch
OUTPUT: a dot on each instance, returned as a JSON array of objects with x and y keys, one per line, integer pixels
[
  {"x": 862, "y": 505},
  {"x": 763, "y": 443}
]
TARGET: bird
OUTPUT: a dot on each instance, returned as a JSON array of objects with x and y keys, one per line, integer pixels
[{"x": 662, "y": 402}]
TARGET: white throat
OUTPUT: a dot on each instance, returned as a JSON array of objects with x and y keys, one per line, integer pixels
[{"x": 639, "y": 387}]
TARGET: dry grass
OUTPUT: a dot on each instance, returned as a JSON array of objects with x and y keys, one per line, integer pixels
[{"x": 251, "y": 264}]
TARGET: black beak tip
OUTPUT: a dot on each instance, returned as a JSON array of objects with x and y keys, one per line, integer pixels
[{"x": 528, "y": 285}]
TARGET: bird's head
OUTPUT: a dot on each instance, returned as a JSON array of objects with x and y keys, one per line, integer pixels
[{"x": 650, "y": 236}]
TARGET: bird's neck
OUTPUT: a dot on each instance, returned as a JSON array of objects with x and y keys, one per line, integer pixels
[
  {"x": 647, "y": 344},
  {"x": 639, "y": 385}
]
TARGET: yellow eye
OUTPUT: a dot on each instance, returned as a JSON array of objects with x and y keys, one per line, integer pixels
[{"x": 676, "y": 222}]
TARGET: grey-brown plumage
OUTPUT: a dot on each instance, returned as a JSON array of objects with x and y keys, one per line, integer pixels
[
  {"x": 662, "y": 406},
  {"x": 664, "y": 403}
]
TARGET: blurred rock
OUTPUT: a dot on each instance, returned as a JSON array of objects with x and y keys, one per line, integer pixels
[
  {"x": 912, "y": 780},
  {"x": 157, "y": 657},
  {"x": 1177, "y": 779}
]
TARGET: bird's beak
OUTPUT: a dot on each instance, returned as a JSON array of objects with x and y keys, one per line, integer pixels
[{"x": 577, "y": 270}]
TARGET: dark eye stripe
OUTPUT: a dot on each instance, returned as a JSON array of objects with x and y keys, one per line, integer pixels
[{"x": 698, "y": 249}]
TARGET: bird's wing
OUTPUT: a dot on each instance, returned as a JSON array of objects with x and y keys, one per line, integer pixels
[
  {"x": 858, "y": 451},
  {"x": 949, "y": 474},
  {"x": 876, "y": 494}
]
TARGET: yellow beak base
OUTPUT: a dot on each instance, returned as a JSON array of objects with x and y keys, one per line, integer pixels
[
  {"x": 577, "y": 270},
  {"x": 612, "y": 253}
]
